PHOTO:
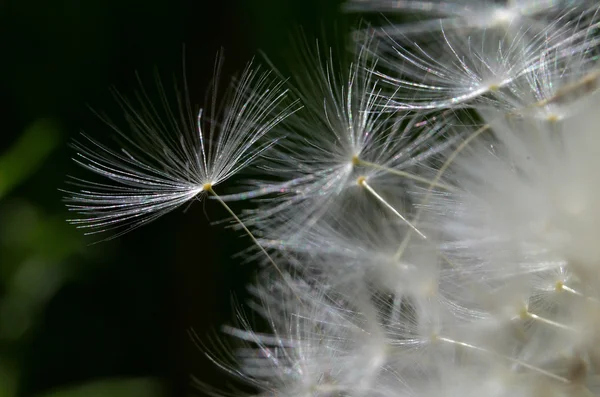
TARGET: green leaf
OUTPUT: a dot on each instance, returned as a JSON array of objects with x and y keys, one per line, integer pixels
[
  {"x": 138, "y": 387},
  {"x": 27, "y": 154},
  {"x": 8, "y": 379}
]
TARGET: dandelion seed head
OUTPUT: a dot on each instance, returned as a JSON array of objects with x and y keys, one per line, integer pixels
[{"x": 433, "y": 206}]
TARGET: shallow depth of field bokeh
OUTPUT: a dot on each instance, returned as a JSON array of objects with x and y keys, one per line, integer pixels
[{"x": 112, "y": 319}]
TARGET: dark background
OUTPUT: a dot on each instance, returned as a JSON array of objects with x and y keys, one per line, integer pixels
[{"x": 113, "y": 318}]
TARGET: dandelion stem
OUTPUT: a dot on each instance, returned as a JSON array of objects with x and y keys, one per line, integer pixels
[
  {"x": 527, "y": 314},
  {"x": 363, "y": 182},
  {"x": 404, "y": 174},
  {"x": 587, "y": 84},
  {"x": 512, "y": 360},
  {"x": 562, "y": 287},
  {"x": 210, "y": 190}
]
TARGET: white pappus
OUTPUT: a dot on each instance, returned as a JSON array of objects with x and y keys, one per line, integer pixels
[{"x": 170, "y": 156}]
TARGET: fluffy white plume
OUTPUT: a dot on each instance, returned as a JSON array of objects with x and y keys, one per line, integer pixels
[
  {"x": 171, "y": 157},
  {"x": 432, "y": 208}
]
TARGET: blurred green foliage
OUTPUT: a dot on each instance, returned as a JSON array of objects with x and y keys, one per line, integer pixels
[
  {"x": 28, "y": 153},
  {"x": 113, "y": 388},
  {"x": 34, "y": 252},
  {"x": 30, "y": 270},
  {"x": 112, "y": 319}
]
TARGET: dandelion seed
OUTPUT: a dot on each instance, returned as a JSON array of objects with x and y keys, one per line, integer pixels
[
  {"x": 339, "y": 135},
  {"x": 172, "y": 158},
  {"x": 476, "y": 69},
  {"x": 465, "y": 16},
  {"x": 313, "y": 346}
]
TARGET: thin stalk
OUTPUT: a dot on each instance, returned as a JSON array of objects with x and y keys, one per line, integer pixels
[
  {"x": 362, "y": 182},
  {"x": 507, "y": 358},
  {"x": 210, "y": 190},
  {"x": 527, "y": 314},
  {"x": 562, "y": 287},
  {"x": 403, "y": 174}
]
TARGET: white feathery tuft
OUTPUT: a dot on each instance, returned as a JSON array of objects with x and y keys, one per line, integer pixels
[
  {"x": 169, "y": 157},
  {"x": 432, "y": 207}
]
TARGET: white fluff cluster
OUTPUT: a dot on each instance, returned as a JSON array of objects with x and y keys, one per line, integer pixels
[{"x": 430, "y": 210}]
